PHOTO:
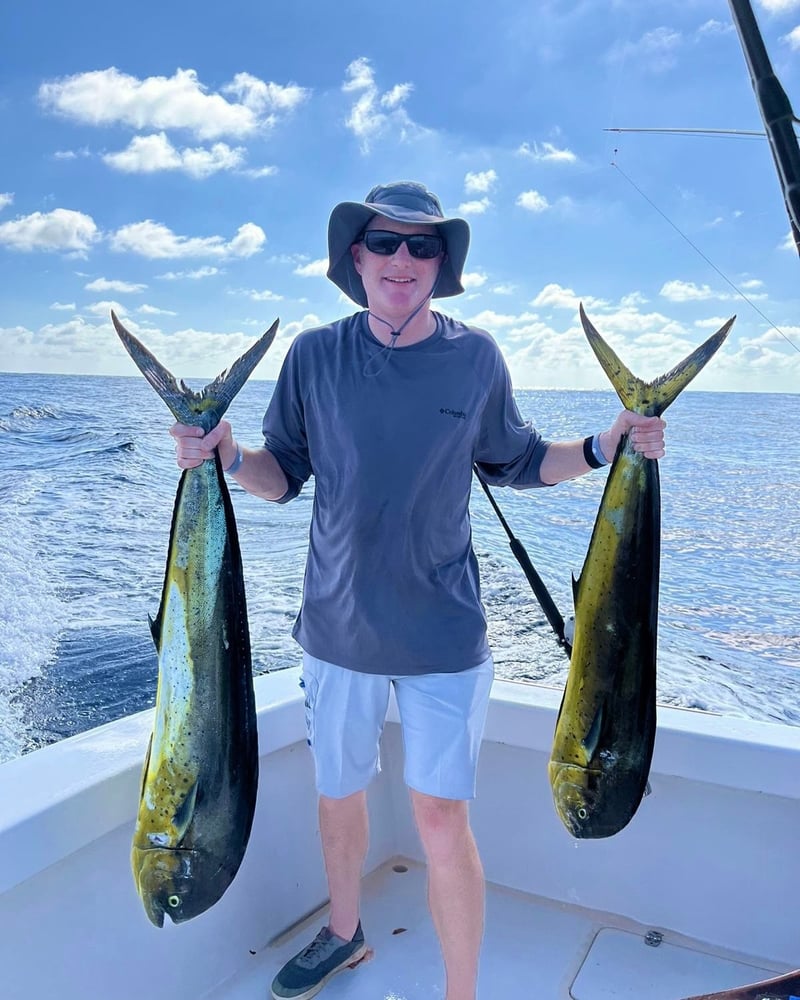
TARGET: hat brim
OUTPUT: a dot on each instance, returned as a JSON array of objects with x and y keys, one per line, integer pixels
[{"x": 348, "y": 221}]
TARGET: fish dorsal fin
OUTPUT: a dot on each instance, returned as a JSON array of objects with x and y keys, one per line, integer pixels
[
  {"x": 591, "y": 740},
  {"x": 185, "y": 812}
]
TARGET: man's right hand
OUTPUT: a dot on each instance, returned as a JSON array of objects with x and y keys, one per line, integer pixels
[{"x": 193, "y": 446}]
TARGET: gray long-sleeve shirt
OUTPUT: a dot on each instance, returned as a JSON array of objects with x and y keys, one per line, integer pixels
[{"x": 391, "y": 583}]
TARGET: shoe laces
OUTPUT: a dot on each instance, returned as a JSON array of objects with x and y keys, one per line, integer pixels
[{"x": 318, "y": 949}]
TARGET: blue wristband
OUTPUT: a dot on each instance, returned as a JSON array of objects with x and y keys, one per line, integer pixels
[
  {"x": 234, "y": 466},
  {"x": 597, "y": 451},
  {"x": 593, "y": 453}
]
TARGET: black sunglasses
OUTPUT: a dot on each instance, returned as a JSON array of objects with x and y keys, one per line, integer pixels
[{"x": 420, "y": 245}]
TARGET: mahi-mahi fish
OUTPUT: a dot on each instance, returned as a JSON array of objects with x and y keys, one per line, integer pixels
[
  {"x": 781, "y": 988},
  {"x": 605, "y": 731},
  {"x": 200, "y": 775}
]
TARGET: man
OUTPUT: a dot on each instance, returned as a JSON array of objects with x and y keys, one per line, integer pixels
[{"x": 389, "y": 409}]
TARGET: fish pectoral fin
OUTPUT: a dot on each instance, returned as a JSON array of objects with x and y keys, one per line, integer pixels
[
  {"x": 146, "y": 766},
  {"x": 155, "y": 628},
  {"x": 185, "y": 812},
  {"x": 591, "y": 740}
]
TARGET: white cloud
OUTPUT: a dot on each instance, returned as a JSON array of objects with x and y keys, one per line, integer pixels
[
  {"x": 504, "y": 289},
  {"x": 266, "y": 98},
  {"x": 687, "y": 291},
  {"x": 793, "y": 38},
  {"x": 397, "y": 95},
  {"x": 265, "y": 296},
  {"x": 473, "y": 279},
  {"x": 779, "y": 6},
  {"x": 788, "y": 243},
  {"x": 711, "y": 322},
  {"x": 63, "y": 306},
  {"x": 533, "y": 201},
  {"x": 488, "y": 319},
  {"x": 109, "y": 97},
  {"x": 655, "y": 51},
  {"x": 258, "y": 172},
  {"x": 83, "y": 346},
  {"x": 314, "y": 269},
  {"x": 61, "y": 229},
  {"x": 195, "y": 275},
  {"x": 155, "y": 241},
  {"x": 546, "y": 152},
  {"x": 474, "y": 207},
  {"x": 147, "y": 154},
  {"x": 373, "y": 113},
  {"x": 557, "y": 296},
  {"x": 104, "y": 308},
  {"x": 71, "y": 154},
  {"x": 155, "y": 311},
  {"x": 481, "y": 182},
  {"x": 713, "y": 27},
  {"x": 106, "y": 285},
  {"x": 6, "y": 198}
]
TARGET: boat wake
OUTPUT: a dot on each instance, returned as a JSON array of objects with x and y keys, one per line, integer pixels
[{"x": 34, "y": 614}]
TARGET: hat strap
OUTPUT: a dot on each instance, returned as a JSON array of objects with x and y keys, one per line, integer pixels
[{"x": 387, "y": 349}]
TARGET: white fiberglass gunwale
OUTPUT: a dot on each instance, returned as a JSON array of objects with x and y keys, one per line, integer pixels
[{"x": 708, "y": 859}]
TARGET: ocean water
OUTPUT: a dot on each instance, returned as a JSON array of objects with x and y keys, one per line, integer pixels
[{"x": 87, "y": 482}]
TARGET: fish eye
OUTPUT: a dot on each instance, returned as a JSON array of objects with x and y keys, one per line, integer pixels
[
  {"x": 583, "y": 813},
  {"x": 174, "y": 901}
]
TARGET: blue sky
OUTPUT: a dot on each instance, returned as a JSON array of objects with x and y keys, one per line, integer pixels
[{"x": 180, "y": 162}]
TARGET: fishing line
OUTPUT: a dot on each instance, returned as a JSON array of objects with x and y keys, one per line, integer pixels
[
  {"x": 626, "y": 48},
  {"x": 697, "y": 250}
]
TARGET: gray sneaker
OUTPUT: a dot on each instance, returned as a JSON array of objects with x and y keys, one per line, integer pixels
[{"x": 304, "y": 975}]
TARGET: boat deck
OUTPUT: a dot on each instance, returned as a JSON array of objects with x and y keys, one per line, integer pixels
[{"x": 533, "y": 948}]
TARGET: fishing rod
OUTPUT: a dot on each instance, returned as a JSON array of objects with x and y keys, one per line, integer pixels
[
  {"x": 776, "y": 110},
  {"x": 779, "y": 120},
  {"x": 736, "y": 133},
  {"x": 547, "y": 603}
]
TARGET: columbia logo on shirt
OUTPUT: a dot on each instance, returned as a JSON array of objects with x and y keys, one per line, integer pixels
[{"x": 454, "y": 413}]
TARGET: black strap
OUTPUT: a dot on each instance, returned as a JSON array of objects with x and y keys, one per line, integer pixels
[
  {"x": 547, "y": 603},
  {"x": 588, "y": 453}
]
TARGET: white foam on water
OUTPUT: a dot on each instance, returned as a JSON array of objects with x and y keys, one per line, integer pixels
[{"x": 32, "y": 613}]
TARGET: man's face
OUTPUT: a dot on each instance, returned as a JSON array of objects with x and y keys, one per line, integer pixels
[{"x": 396, "y": 284}]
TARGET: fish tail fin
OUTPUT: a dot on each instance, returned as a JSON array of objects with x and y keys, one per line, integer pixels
[
  {"x": 652, "y": 398},
  {"x": 204, "y": 408}
]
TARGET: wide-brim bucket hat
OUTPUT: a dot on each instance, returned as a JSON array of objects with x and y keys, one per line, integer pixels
[{"x": 401, "y": 201}]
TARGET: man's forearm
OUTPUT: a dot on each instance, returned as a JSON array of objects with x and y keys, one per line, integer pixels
[
  {"x": 564, "y": 460},
  {"x": 259, "y": 473}
]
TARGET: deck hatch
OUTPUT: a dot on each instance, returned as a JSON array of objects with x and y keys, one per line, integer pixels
[{"x": 620, "y": 966}]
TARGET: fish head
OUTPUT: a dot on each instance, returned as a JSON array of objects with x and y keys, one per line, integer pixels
[
  {"x": 165, "y": 879},
  {"x": 577, "y": 794},
  {"x": 178, "y": 882}
]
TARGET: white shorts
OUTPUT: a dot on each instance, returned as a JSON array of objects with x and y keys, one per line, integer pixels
[{"x": 442, "y": 719}]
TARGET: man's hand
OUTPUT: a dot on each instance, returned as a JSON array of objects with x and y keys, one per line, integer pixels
[
  {"x": 646, "y": 435},
  {"x": 193, "y": 446}
]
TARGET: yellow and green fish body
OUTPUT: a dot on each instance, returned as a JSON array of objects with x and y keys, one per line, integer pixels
[
  {"x": 605, "y": 732},
  {"x": 200, "y": 777}
]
